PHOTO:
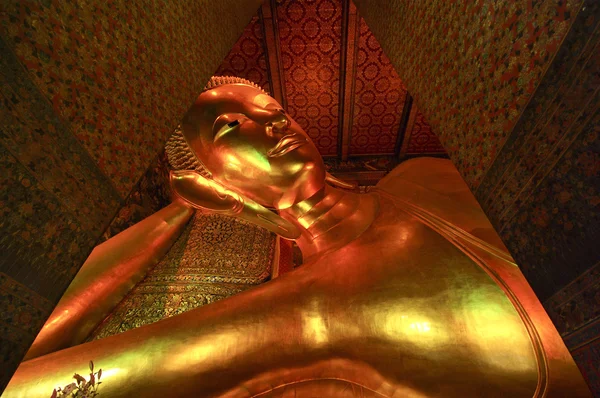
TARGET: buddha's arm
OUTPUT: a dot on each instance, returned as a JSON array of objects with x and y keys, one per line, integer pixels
[
  {"x": 208, "y": 195},
  {"x": 107, "y": 276},
  {"x": 198, "y": 353}
]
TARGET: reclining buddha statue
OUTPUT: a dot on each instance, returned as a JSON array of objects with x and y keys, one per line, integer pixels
[{"x": 405, "y": 291}]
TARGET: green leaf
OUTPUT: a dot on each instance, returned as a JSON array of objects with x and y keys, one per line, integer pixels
[
  {"x": 91, "y": 366},
  {"x": 99, "y": 373}
]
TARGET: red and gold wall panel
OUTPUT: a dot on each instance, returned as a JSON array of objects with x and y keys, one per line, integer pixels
[
  {"x": 422, "y": 139},
  {"x": 378, "y": 99},
  {"x": 247, "y": 58},
  {"x": 310, "y": 37}
]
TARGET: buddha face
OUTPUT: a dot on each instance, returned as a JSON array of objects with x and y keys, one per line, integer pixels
[{"x": 250, "y": 144}]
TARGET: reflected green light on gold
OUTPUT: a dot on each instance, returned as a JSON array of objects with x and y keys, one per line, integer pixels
[
  {"x": 415, "y": 305},
  {"x": 254, "y": 158},
  {"x": 314, "y": 325},
  {"x": 488, "y": 317}
]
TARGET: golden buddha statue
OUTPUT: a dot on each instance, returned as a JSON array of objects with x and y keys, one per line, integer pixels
[{"x": 406, "y": 291}]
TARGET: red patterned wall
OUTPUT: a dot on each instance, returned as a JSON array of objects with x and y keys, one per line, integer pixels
[
  {"x": 247, "y": 57},
  {"x": 307, "y": 51},
  {"x": 310, "y": 39},
  {"x": 379, "y": 99},
  {"x": 422, "y": 139}
]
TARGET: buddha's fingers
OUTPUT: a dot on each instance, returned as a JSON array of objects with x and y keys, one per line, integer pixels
[{"x": 210, "y": 196}]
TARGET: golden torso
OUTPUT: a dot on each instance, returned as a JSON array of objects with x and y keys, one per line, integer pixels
[
  {"x": 399, "y": 311},
  {"x": 406, "y": 292}
]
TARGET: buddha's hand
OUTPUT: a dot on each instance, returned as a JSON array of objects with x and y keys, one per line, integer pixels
[
  {"x": 210, "y": 196},
  {"x": 204, "y": 194}
]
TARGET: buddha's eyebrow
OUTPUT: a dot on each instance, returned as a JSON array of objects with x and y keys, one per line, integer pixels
[{"x": 261, "y": 115}]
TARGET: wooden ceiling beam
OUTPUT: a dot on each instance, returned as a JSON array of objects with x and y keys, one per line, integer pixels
[
  {"x": 350, "y": 35},
  {"x": 403, "y": 130},
  {"x": 404, "y": 138},
  {"x": 268, "y": 12}
]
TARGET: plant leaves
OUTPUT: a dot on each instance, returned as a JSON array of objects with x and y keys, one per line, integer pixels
[
  {"x": 79, "y": 378},
  {"x": 91, "y": 366},
  {"x": 70, "y": 388},
  {"x": 54, "y": 394},
  {"x": 99, "y": 374},
  {"x": 92, "y": 379}
]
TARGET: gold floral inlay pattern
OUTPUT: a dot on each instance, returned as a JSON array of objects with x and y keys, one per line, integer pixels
[{"x": 215, "y": 257}]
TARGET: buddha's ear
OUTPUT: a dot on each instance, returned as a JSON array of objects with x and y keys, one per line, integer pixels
[
  {"x": 339, "y": 183},
  {"x": 210, "y": 196}
]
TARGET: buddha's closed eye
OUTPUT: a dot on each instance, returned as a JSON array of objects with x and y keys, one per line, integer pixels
[{"x": 226, "y": 124}]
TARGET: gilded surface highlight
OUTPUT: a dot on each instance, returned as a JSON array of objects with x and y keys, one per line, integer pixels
[
  {"x": 215, "y": 257},
  {"x": 107, "y": 276},
  {"x": 396, "y": 296}
]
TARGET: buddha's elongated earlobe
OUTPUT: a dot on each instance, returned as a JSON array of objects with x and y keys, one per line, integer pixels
[
  {"x": 339, "y": 183},
  {"x": 208, "y": 195}
]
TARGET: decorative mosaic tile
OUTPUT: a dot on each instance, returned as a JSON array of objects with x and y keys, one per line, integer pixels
[
  {"x": 422, "y": 139},
  {"x": 151, "y": 194},
  {"x": 123, "y": 73},
  {"x": 214, "y": 258},
  {"x": 247, "y": 57},
  {"x": 554, "y": 234},
  {"x": 379, "y": 98},
  {"x": 544, "y": 144},
  {"x": 579, "y": 311},
  {"x": 577, "y": 304},
  {"x": 309, "y": 35},
  {"x": 226, "y": 250},
  {"x": 586, "y": 358},
  {"x": 23, "y": 314},
  {"x": 557, "y": 82},
  {"x": 470, "y": 66},
  {"x": 43, "y": 143}
]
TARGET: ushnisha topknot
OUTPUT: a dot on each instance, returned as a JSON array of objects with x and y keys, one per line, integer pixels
[
  {"x": 179, "y": 154},
  {"x": 217, "y": 81}
]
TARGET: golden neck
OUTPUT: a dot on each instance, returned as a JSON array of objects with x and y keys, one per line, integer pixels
[{"x": 330, "y": 219}]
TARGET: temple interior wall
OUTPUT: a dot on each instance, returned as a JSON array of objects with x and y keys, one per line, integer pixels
[{"x": 90, "y": 97}]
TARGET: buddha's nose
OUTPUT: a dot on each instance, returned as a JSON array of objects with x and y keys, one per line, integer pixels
[
  {"x": 280, "y": 121},
  {"x": 276, "y": 119}
]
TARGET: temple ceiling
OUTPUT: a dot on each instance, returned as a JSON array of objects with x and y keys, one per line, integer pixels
[{"x": 321, "y": 61}]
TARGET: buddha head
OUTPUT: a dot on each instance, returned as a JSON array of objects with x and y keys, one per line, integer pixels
[{"x": 249, "y": 144}]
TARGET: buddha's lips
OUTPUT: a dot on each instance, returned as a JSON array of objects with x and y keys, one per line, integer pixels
[{"x": 287, "y": 144}]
